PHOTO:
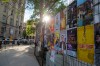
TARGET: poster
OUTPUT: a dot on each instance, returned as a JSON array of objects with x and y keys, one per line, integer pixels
[
  {"x": 57, "y": 36},
  {"x": 57, "y": 27},
  {"x": 72, "y": 15},
  {"x": 63, "y": 20},
  {"x": 85, "y": 39},
  {"x": 97, "y": 44},
  {"x": 51, "y": 26},
  {"x": 63, "y": 40},
  {"x": 72, "y": 42},
  {"x": 85, "y": 13}
]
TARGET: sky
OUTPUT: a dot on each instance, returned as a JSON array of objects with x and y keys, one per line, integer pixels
[{"x": 27, "y": 14}]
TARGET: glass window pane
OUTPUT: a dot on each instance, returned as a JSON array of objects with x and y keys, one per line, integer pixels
[
  {"x": 96, "y": 9},
  {"x": 96, "y": 18}
]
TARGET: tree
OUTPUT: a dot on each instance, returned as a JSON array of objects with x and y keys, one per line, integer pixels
[
  {"x": 30, "y": 28},
  {"x": 24, "y": 34},
  {"x": 45, "y": 6}
]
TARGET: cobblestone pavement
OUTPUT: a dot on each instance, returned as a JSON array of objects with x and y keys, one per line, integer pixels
[{"x": 18, "y": 56}]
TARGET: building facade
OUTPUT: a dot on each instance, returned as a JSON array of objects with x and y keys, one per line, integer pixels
[{"x": 11, "y": 19}]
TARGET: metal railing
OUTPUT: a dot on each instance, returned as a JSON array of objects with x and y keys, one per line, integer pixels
[{"x": 67, "y": 60}]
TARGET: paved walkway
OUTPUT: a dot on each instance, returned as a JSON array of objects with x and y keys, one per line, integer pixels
[{"x": 18, "y": 56}]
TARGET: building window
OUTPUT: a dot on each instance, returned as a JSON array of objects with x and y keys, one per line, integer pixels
[
  {"x": 5, "y": 8},
  {"x": 3, "y": 29},
  {"x": 17, "y": 23},
  {"x": 4, "y": 18},
  {"x": 12, "y": 12},
  {"x": 11, "y": 22}
]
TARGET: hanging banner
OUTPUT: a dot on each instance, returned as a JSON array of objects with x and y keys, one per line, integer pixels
[
  {"x": 85, "y": 39},
  {"x": 97, "y": 44},
  {"x": 72, "y": 42}
]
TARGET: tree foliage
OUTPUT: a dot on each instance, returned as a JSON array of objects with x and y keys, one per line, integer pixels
[
  {"x": 30, "y": 27},
  {"x": 24, "y": 34},
  {"x": 46, "y": 6}
]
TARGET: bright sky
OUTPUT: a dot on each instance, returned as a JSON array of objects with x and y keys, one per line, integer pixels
[{"x": 27, "y": 15}]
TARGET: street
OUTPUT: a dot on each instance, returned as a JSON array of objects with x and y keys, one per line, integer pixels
[{"x": 18, "y": 56}]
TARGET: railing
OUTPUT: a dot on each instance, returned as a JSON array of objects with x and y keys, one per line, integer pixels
[{"x": 67, "y": 60}]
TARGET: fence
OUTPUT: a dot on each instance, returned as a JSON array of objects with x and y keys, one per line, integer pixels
[{"x": 67, "y": 60}]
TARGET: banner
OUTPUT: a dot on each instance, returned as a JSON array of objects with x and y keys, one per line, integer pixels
[
  {"x": 85, "y": 39},
  {"x": 72, "y": 42}
]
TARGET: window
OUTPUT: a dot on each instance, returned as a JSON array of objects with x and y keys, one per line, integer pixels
[
  {"x": 4, "y": 18},
  {"x": 5, "y": 8},
  {"x": 12, "y": 12},
  {"x": 16, "y": 23},
  {"x": 11, "y": 22}
]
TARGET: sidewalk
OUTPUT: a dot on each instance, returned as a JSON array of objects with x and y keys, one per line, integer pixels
[{"x": 18, "y": 56}]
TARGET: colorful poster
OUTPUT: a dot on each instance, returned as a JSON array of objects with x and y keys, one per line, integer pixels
[
  {"x": 85, "y": 13},
  {"x": 85, "y": 39},
  {"x": 57, "y": 28},
  {"x": 63, "y": 41},
  {"x": 63, "y": 21},
  {"x": 72, "y": 15},
  {"x": 97, "y": 44},
  {"x": 51, "y": 26},
  {"x": 57, "y": 36},
  {"x": 72, "y": 42}
]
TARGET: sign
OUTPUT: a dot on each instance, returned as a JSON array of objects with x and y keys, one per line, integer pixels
[{"x": 85, "y": 39}]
